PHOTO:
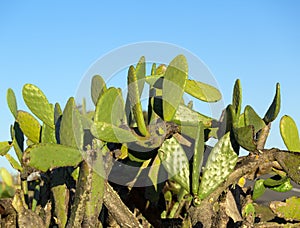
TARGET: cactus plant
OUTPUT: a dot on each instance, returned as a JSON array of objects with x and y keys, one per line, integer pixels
[{"x": 69, "y": 153}]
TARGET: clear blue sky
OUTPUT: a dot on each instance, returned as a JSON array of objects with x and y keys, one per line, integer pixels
[{"x": 53, "y": 43}]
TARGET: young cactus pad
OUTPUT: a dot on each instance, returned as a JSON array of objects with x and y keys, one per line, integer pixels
[
  {"x": 29, "y": 126},
  {"x": 237, "y": 97},
  {"x": 5, "y": 147},
  {"x": 98, "y": 88},
  {"x": 174, "y": 160},
  {"x": 289, "y": 133},
  {"x": 110, "y": 107},
  {"x": 274, "y": 108},
  {"x": 173, "y": 86},
  {"x": 220, "y": 163},
  {"x": 134, "y": 86},
  {"x": 71, "y": 131},
  {"x": 38, "y": 104},
  {"x": 12, "y": 102},
  {"x": 202, "y": 91}
]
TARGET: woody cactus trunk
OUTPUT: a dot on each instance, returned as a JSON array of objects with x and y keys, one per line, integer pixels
[{"x": 65, "y": 158}]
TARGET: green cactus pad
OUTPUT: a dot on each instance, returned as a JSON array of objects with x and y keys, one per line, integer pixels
[
  {"x": 60, "y": 194},
  {"x": 275, "y": 181},
  {"x": 98, "y": 87},
  {"x": 96, "y": 178},
  {"x": 289, "y": 133},
  {"x": 199, "y": 90},
  {"x": 153, "y": 69},
  {"x": 6, "y": 177},
  {"x": 186, "y": 116},
  {"x": 71, "y": 131},
  {"x": 110, "y": 133},
  {"x": 18, "y": 140},
  {"x": 87, "y": 120},
  {"x": 29, "y": 126},
  {"x": 220, "y": 163},
  {"x": 175, "y": 161},
  {"x": 259, "y": 189},
  {"x": 5, "y": 147},
  {"x": 38, "y": 104},
  {"x": 197, "y": 158},
  {"x": 245, "y": 137},
  {"x": 237, "y": 97},
  {"x": 161, "y": 69},
  {"x": 141, "y": 74},
  {"x": 13, "y": 162},
  {"x": 228, "y": 119},
  {"x": 57, "y": 112},
  {"x": 202, "y": 91},
  {"x": 46, "y": 156},
  {"x": 95, "y": 197},
  {"x": 274, "y": 109},
  {"x": 154, "y": 171},
  {"x": 289, "y": 210},
  {"x": 173, "y": 86},
  {"x": 241, "y": 121},
  {"x": 284, "y": 187},
  {"x": 110, "y": 107},
  {"x": 12, "y": 102},
  {"x": 155, "y": 81},
  {"x": 134, "y": 86},
  {"x": 47, "y": 134},
  {"x": 290, "y": 162},
  {"x": 251, "y": 118}
]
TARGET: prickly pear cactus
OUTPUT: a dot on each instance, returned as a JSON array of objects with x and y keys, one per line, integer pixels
[{"x": 71, "y": 150}]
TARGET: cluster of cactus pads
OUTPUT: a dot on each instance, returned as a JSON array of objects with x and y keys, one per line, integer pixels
[{"x": 65, "y": 157}]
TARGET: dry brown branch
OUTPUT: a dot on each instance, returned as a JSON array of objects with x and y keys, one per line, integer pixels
[{"x": 123, "y": 216}]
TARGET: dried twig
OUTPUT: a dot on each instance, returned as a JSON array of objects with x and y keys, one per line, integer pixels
[{"x": 123, "y": 216}]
